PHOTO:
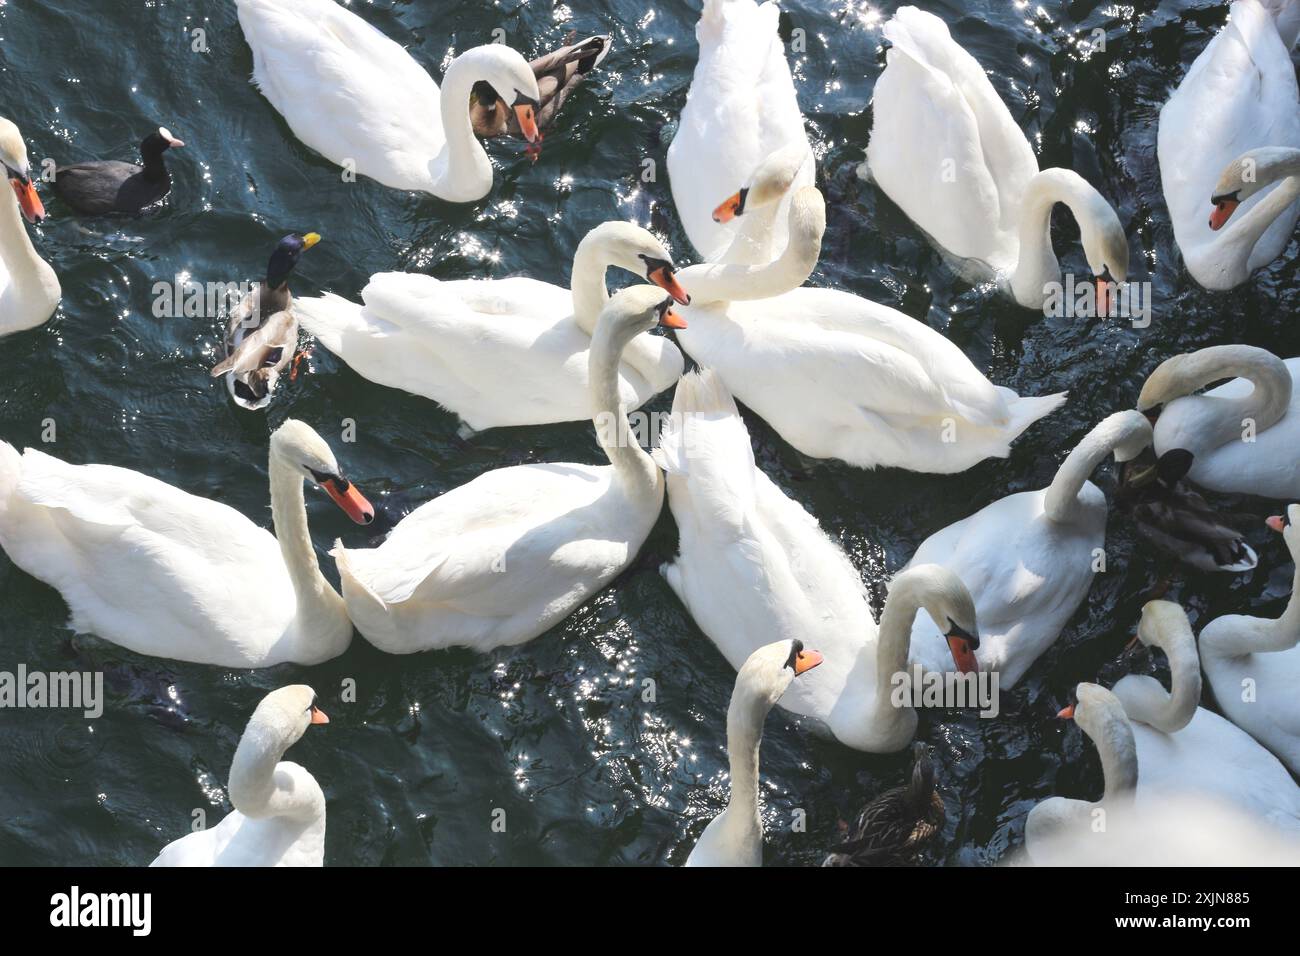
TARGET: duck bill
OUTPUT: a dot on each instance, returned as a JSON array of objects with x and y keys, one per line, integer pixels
[
  {"x": 310, "y": 239},
  {"x": 1276, "y": 522},
  {"x": 730, "y": 208},
  {"x": 962, "y": 655},
  {"x": 30, "y": 203},
  {"x": 351, "y": 501},
  {"x": 527, "y": 117},
  {"x": 1066, "y": 713},
  {"x": 664, "y": 278},
  {"x": 806, "y": 661},
  {"x": 1223, "y": 210},
  {"x": 671, "y": 320},
  {"x": 318, "y": 715}
]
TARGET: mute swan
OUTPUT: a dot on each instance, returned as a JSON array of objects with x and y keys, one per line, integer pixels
[
  {"x": 106, "y": 186},
  {"x": 1171, "y": 828},
  {"x": 1253, "y": 663},
  {"x": 1029, "y": 558},
  {"x": 279, "y": 815},
  {"x": 895, "y": 827},
  {"x": 220, "y": 589},
  {"x": 262, "y": 337},
  {"x": 29, "y": 289},
  {"x": 753, "y": 566},
  {"x": 501, "y": 352},
  {"x": 503, "y": 558},
  {"x": 1176, "y": 519},
  {"x": 362, "y": 102},
  {"x": 839, "y": 376},
  {"x": 1241, "y": 439},
  {"x": 946, "y": 150},
  {"x": 558, "y": 74},
  {"x": 741, "y": 107},
  {"x": 735, "y": 836},
  {"x": 1238, "y": 96}
]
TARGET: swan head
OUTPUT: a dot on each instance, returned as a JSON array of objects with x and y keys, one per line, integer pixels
[
  {"x": 1133, "y": 433},
  {"x": 637, "y": 309},
  {"x": 288, "y": 712},
  {"x": 1164, "y": 625},
  {"x": 767, "y": 672},
  {"x": 13, "y": 154},
  {"x": 637, "y": 250},
  {"x": 950, "y": 605},
  {"x": 774, "y": 177},
  {"x": 1289, "y": 526},
  {"x": 286, "y": 254},
  {"x": 1105, "y": 246},
  {"x": 512, "y": 79},
  {"x": 297, "y": 445},
  {"x": 1245, "y": 176}
]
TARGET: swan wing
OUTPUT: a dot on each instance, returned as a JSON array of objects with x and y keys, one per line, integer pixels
[
  {"x": 943, "y": 145},
  {"x": 345, "y": 89}
]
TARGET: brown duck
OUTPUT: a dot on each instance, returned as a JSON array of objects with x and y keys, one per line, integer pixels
[
  {"x": 894, "y": 828},
  {"x": 558, "y": 74}
]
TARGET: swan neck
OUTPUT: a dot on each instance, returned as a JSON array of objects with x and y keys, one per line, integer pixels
[
  {"x": 1245, "y": 231},
  {"x": 736, "y": 281},
  {"x": 1226, "y": 417},
  {"x": 317, "y": 600},
  {"x": 617, "y": 438},
  {"x": 16, "y": 249},
  {"x": 590, "y": 293},
  {"x": 462, "y": 167},
  {"x": 256, "y": 789},
  {"x": 1145, "y": 699},
  {"x": 894, "y": 639},
  {"x": 745, "y": 716},
  {"x": 1118, "y": 752},
  {"x": 1062, "y": 499},
  {"x": 1036, "y": 263}
]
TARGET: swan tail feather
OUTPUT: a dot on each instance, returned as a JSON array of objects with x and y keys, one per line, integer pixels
[
  {"x": 1024, "y": 411},
  {"x": 699, "y": 394},
  {"x": 11, "y": 473},
  {"x": 1286, "y": 16},
  {"x": 326, "y": 317},
  {"x": 348, "y": 574}
]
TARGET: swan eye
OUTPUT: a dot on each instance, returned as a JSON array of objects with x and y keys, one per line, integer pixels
[
  {"x": 653, "y": 265},
  {"x": 796, "y": 648},
  {"x": 956, "y": 630},
  {"x": 324, "y": 478}
]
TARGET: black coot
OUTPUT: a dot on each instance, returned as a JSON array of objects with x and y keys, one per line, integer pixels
[{"x": 112, "y": 186}]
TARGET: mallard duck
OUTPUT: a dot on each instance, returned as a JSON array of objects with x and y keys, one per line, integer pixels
[
  {"x": 558, "y": 74},
  {"x": 262, "y": 337},
  {"x": 898, "y": 824},
  {"x": 108, "y": 186},
  {"x": 1176, "y": 519}
]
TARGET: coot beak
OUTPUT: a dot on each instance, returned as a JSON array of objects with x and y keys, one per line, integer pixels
[
  {"x": 28, "y": 201},
  {"x": 354, "y": 504}
]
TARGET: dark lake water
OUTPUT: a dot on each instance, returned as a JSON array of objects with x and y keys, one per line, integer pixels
[{"x": 555, "y": 732}]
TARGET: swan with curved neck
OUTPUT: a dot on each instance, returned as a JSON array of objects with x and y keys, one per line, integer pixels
[
  {"x": 502, "y": 352},
  {"x": 754, "y": 567},
  {"x": 1033, "y": 554},
  {"x": 735, "y": 836},
  {"x": 837, "y": 375},
  {"x": 1253, "y": 663},
  {"x": 946, "y": 150},
  {"x": 279, "y": 815},
  {"x": 741, "y": 108},
  {"x": 361, "y": 101},
  {"x": 1184, "y": 748},
  {"x": 223, "y": 590},
  {"x": 29, "y": 289},
  {"x": 1241, "y": 436},
  {"x": 1230, "y": 133},
  {"x": 501, "y": 559}
]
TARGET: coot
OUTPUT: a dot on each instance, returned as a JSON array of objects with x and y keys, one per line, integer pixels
[{"x": 111, "y": 186}]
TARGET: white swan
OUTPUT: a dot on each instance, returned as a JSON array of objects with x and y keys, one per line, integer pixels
[
  {"x": 839, "y": 376},
  {"x": 1173, "y": 829},
  {"x": 1238, "y": 96},
  {"x": 735, "y": 836},
  {"x": 501, "y": 559},
  {"x": 501, "y": 351},
  {"x": 754, "y": 567},
  {"x": 1242, "y": 436},
  {"x": 1029, "y": 558},
  {"x": 362, "y": 102},
  {"x": 29, "y": 289},
  {"x": 1253, "y": 663},
  {"x": 741, "y": 107},
  {"x": 279, "y": 815},
  {"x": 946, "y": 150},
  {"x": 221, "y": 590},
  {"x": 1179, "y": 747}
]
